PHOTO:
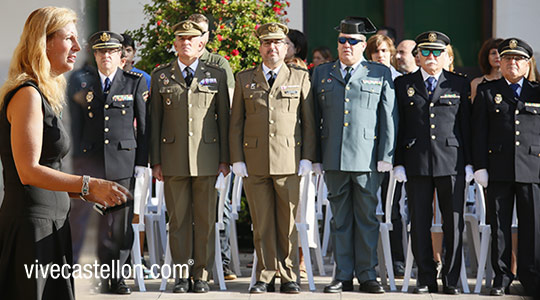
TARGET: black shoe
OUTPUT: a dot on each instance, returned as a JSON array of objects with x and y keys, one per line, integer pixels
[
  {"x": 450, "y": 290},
  {"x": 399, "y": 269},
  {"x": 120, "y": 288},
  {"x": 497, "y": 291},
  {"x": 228, "y": 274},
  {"x": 371, "y": 286},
  {"x": 290, "y": 287},
  {"x": 424, "y": 289},
  {"x": 182, "y": 285},
  {"x": 338, "y": 286},
  {"x": 200, "y": 286},
  {"x": 261, "y": 287}
]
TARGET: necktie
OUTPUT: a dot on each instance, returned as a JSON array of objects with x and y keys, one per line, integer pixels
[
  {"x": 107, "y": 86},
  {"x": 189, "y": 76},
  {"x": 348, "y": 74},
  {"x": 431, "y": 83},
  {"x": 515, "y": 88},
  {"x": 272, "y": 78}
]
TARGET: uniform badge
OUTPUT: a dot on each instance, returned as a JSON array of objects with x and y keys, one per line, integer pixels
[
  {"x": 432, "y": 37},
  {"x": 329, "y": 80},
  {"x": 498, "y": 99},
  {"x": 253, "y": 86},
  {"x": 162, "y": 76},
  {"x": 172, "y": 76},
  {"x": 187, "y": 26},
  {"x": 410, "y": 92},
  {"x": 513, "y": 44},
  {"x": 208, "y": 74},
  {"x": 83, "y": 84},
  {"x": 273, "y": 28},
  {"x": 145, "y": 95},
  {"x": 89, "y": 96},
  {"x": 166, "y": 81}
]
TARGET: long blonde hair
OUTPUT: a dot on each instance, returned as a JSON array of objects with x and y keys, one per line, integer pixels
[{"x": 30, "y": 61}]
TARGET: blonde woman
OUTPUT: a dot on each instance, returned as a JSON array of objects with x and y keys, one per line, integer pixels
[{"x": 34, "y": 227}]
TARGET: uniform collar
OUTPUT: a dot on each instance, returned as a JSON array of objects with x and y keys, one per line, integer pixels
[
  {"x": 425, "y": 75},
  {"x": 520, "y": 82},
  {"x": 102, "y": 77},
  {"x": 267, "y": 69},
  {"x": 193, "y": 66}
]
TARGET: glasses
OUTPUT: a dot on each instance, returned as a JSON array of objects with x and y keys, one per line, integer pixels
[
  {"x": 352, "y": 41},
  {"x": 107, "y": 51},
  {"x": 268, "y": 43},
  {"x": 517, "y": 58},
  {"x": 436, "y": 52}
]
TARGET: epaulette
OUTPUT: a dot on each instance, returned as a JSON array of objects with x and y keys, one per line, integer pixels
[
  {"x": 213, "y": 65},
  {"x": 133, "y": 73},
  {"x": 247, "y": 70},
  {"x": 459, "y": 74},
  {"x": 296, "y": 67},
  {"x": 161, "y": 67}
]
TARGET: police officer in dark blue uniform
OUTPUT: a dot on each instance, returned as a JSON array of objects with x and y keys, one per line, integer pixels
[
  {"x": 506, "y": 153},
  {"x": 110, "y": 123},
  {"x": 433, "y": 152}
]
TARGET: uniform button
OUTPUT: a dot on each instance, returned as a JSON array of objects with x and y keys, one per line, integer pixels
[
  {"x": 123, "y": 105},
  {"x": 346, "y": 124},
  {"x": 497, "y": 110},
  {"x": 347, "y": 99},
  {"x": 190, "y": 134},
  {"x": 517, "y": 143},
  {"x": 190, "y": 105},
  {"x": 164, "y": 140},
  {"x": 245, "y": 144},
  {"x": 489, "y": 151},
  {"x": 106, "y": 129},
  {"x": 431, "y": 104},
  {"x": 412, "y": 103},
  {"x": 322, "y": 90},
  {"x": 123, "y": 112},
  {"x": 517, "y": 122},
  {"x": 271, "y": 108},
  {"x": 168, "y": 101},
  {"x": 348, "y": 88},
  {"x": 272, "y": 135},
  {"x": 89, "y": 107},
  {"x": 517, "y": 132},
  {"x": 90, "y": 115},
  {"x": 106, "y": 118},
  {"x": 84, "y": 150},
  {"x": 432, "y": 115},
  {"x": 271, "y": 121},
  {"x": 250, "y": 96},
  {"x": 517, "y": 112},
  {"x": 346, "y": 112},
  {"x": 432, "y": 125},
  {"x": 214, "y": 139},
  {"x": 106, "y": 142},
  {"x": 433, "y": 137},
  {"x": 191, "y": 119},
  {"x": 106, "y": 106}
]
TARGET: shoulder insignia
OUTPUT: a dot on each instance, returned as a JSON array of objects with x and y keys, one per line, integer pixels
[
  {"x": 145, "y": 95},
  {"x": 247, "y": 70},
  {"x": 161, "y": 67},
  {"x": 133, "y": 73}
]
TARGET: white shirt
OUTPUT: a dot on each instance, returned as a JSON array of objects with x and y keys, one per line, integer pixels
[
  {"x": 193, "y": 67},
  {"x": 266, "y": 70},
  {"x": 520, "y": 83},
  {"x": 102, "y": 77},
  {"x": 425, "y": 75},
  {"x": 343, "y": 66}
]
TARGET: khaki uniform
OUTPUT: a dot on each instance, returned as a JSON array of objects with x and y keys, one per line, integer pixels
[
  {"x": 271, "y": 130},
  {"x": 189, "y": 138}
]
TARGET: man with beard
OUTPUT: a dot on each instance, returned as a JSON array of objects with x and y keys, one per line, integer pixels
[{"x": 405, "y": 62}]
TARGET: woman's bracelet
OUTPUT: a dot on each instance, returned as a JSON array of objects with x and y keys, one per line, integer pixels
[{"x": 85, "y": 185}]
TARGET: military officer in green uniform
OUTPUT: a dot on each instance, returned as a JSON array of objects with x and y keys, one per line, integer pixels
[
  {"x": 189, "y": 112},
  {"x": 355, "y": 105},
  {"x": 272, "y": 139}
]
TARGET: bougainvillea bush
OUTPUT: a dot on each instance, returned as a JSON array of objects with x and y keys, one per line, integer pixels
[{"x": 232, "y": 23}]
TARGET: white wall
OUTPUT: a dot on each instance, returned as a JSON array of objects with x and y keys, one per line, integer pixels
[
  {"x": 126, "y": 14},
  {"x": 295, "y": 13},
  {"x": 518, "y": 18}
]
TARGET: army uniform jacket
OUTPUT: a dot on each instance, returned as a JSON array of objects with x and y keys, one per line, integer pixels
[
  {"x": 272, "y": 128},
  {"x": 358, "y": 119},
  {"x": 434, "y": 137},
  {"x": 506, "y": 132},
  {"x": 189, "y": 124},
  {"x": 107, "y": 143}
]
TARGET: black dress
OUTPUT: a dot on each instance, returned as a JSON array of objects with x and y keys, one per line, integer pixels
[{"x": 34, "y": 227}]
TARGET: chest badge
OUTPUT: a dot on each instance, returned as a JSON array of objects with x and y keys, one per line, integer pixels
[
  {"x": 89, "y": 96},
  {"x": 410, "y": 92},
  {"x": 162, "y": 76},
  {"x": 329, "y": 80},
  {"x": 166, "y": 81},
  {"x": 498, "y": 99}
]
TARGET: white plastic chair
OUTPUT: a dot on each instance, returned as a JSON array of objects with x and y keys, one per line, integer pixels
[
  {"x": 222, "y": 185},
  {"x": 233, "y": 238},
  {"x": 155, "y": 224},
  {"x": 322, "y": 198}
]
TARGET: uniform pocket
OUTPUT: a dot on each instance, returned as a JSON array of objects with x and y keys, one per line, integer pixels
[
  {"x": 534, "y": 150},
  {"x": 250, "y": 142},
  {"x": 127, "y": 144},
  {"x": 452, "y": 142},
  {"x": 209, "y": 91}
]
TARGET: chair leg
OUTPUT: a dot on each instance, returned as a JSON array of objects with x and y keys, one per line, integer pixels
[
  {"x": 484, "y": 249},
  {"x": 136, "y": 258},
  {"x": 463, "y": 275},
  {"x": 382, "y": 262},
  {"x": 302, "y": 234},
  {"x": 218, "y": 263},
  {"x": 408, "y": 268},
  {"x": 387, "y": 251},
  {"x": 168, "y": 260},
  {"x": 233, "y": 241},
  {"x": 326, "y": 231},
  {"x": 318, "y": 254},
  {"x": 253, "y": 270}
]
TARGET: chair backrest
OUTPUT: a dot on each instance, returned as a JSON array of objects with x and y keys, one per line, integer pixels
[{"x": 223, "y": 185}]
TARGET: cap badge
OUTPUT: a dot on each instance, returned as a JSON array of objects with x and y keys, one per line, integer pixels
[
  {"x": 105, "y": 37},
  {"x": 498, "y": 99},
  {"x": 432, "y": 37},
  {"x": 273, "y": 28},
  {"x": 410, "y": 92},
  {"x": 513, "y": 44},
  {"x": 187, "y": 26}
]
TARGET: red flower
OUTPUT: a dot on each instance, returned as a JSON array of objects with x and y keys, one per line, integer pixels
[
  {"x": 223, "y": 2},
  {"x": 310, "y": 66},
  {"x": 219, "y": 37},
  {"x": 277, "y": 10},
  {"x": 288, "y": 3},
  {"x": 253, "y": 63},
  {"x": 235, "y": 52},
  {"x": 159, "y": 22},
  {"x": 277, "y": 3},
  {"x": 157, "y": 65},
  {"x": 221, "y": 26},
  {"x": 227, "y": 57},
  {"x": 205, "y": 8},
  {"x": 257, "y": 26}
]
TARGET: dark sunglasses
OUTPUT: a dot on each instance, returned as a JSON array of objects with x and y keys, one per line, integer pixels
[
  {"x": 352, "y": 42},
  {"x": 436, "y": 52}
]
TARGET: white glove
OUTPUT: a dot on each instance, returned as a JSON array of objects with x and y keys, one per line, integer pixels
[
  {"x": 399, "y": 174},
  {"x": 383, "y": 166},
  {"x": 240, "y": 169},
  {"x": 139, "y": 171},
  {"x": 481, "y": 177},
  {"x": 317, "y": 168},
  {"x": 469, "y": 173},
  {"x": 220, "y": 182},
  {"x": 304, "y": 167}
]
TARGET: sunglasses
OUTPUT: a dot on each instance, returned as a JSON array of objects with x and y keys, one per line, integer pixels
[
  {"x": 436, "y": 52},
  {"x": 352, "y": 41}
]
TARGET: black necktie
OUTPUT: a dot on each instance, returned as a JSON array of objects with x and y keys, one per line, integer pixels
[
  {"x": 348, "y": 74},
  {"x": 272, "y": 78},
  {"x": 189, "y": 76},
  {"x": 515, "y": 88},
  {"x": 107, "y": 86}
]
